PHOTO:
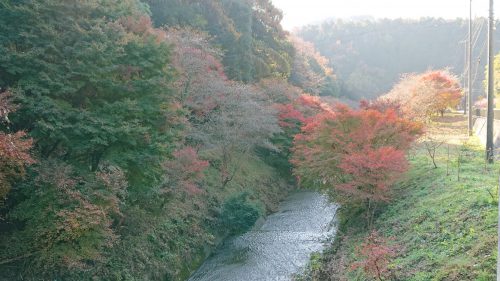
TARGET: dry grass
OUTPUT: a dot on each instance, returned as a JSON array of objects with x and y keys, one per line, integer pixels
[{"x": 450, "y": 129}]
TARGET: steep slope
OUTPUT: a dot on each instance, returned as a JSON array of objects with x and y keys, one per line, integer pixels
[{"x": 442, "y": 221}]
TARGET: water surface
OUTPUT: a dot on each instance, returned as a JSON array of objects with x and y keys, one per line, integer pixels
[{"x": 279, "y": 248}]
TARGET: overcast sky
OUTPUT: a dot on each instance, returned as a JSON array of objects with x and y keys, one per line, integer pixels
[{"x": 302, "y": 12}]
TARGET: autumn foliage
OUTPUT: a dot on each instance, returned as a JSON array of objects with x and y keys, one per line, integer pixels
[
  {"x": 227, "y": 118},
  {"x": 375, "y": 255},
  {"x": 426, "y": 94},
  {"x": 185, "y": 170},
  {"x": 128, "y": 106},
  {"x": 359, "y": 153},
  {"x": 14, "y": 149},
  {"x": 446, "y": 89},
  {"x": 310, "y": 69}
]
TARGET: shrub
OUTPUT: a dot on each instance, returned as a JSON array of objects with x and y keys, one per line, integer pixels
[
  {"x": 375, "y": 256},
  {"x": 239, "y": 214}
]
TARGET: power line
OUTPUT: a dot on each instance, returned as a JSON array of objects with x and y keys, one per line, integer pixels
[
  {"x": 477, "y": 34},
  {"x": 469, "y": 80},
  {"x": 479, "y": 61}
]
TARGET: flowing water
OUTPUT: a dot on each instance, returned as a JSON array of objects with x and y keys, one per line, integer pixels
[{"x": 279, "y": 248}]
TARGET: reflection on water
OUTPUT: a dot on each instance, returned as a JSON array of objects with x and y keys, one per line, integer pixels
[{"x": 280, "y": 248}]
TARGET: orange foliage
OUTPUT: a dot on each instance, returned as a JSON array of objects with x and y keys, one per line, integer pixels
[
  {"x": 446, "y": 88},
  {"x": 425, "y": 94},
  {"x": 143, "y": 26},
  {"x": 14, "y": 149},
  {"x": 360, "y": 153},
  {"x": 186, "y": 170},
  {"x": 376, "y": 255}
]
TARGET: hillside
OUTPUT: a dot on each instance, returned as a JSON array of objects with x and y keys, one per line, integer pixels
[
  {"x": 442, "y": 222},
  {"x": 369, "y": 56},
  {"x": 136, "y": 135}
]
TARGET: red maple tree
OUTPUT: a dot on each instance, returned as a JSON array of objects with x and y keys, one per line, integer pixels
[
  {"x": 14, "y": 148},
  {"x": 446, "y": 88},
  {"x": 358, "y": 153},
  {"x": 375, "y": 254},
  {"x": 185, "y": 170},
  {"x": 422, "y": 95}
]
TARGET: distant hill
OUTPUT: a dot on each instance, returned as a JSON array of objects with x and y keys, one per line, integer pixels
[{"x": 369, "y": 56}]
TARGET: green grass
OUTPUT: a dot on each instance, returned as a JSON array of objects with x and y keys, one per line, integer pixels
[{"x": 444, "y": 227}]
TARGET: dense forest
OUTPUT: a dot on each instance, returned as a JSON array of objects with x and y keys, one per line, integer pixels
[
  {"x": 136, "y": 135},
  {"x": 369, "y": 56}
]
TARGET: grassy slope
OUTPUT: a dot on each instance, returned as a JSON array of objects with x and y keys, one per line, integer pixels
[{"x": 445, "y": 227}]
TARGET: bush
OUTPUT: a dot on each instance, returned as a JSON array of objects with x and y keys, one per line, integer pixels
[{"x": 239, "y": 214}]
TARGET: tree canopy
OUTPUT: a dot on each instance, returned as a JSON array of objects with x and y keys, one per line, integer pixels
[
  {"x": 127, "y": 126},
  {"x": 369, "y": 56}
]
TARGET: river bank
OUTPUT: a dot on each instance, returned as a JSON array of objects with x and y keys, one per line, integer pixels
[
  {"x": 442, "y": 221},
  {"x": 278, "y": 248}
]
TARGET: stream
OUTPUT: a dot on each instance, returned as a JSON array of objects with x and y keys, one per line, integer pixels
[{"x": 279, "y": 248}]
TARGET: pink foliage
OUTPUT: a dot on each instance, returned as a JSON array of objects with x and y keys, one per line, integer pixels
[
  {"x": 186, "y": 169},
  {"x": 375, "y": 254},
  {"x": 423, "y": 95},
  {"x": 483, "y": 103},
  {"x": 381, "y": 105},
  {"x": 289, "y": 115},
  {"x": 15, "y": 148},
  {"x": 310, "y": 101}
]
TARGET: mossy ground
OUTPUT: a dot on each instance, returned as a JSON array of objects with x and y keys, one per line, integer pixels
[{"x": 442, "y": 220}]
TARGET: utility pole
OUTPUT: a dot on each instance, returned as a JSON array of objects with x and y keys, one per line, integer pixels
[
  {"x": 489, "y": 121},
  {"x": 469, "y": 53},
  {"x": 498, "y": 235},
  {"x": 491, "y": 92},
  {"x": 466, "y": 59}
]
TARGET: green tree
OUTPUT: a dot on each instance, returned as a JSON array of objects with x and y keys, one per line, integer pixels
[
  {"x": 248, "y": 31},
  {"x": 369, "y": 55},
  {"x": 71, "y": 102},
  {"x": 91, "y": 80},
  {"x": 239, "y": 214}
]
